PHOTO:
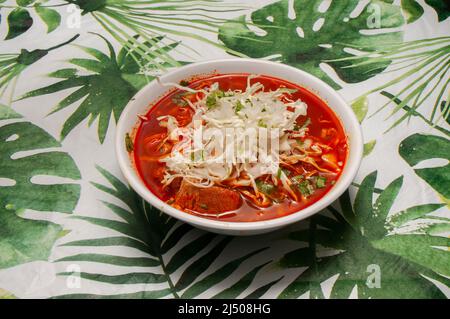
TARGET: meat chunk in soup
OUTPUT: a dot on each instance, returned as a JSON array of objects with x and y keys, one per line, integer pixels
[{"x": 213, "y": 199}]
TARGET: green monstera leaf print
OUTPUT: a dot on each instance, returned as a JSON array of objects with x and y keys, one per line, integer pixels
[
  {"x": 366, "y": 239},
  {"x": 413, "y": 10},
  {"x": 306, "y": 35},
  {"x": 165, "y": 251},
  {"x": 20, "y": 19},
  {"x": 29, "y": 166},
  {"x": 442, "y": 8},
  {"x": 112, "y": 82},
  {"x": 420, "y": 147}
]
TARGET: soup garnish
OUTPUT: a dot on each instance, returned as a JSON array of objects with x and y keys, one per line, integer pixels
[{"x": 240, "y": 147}]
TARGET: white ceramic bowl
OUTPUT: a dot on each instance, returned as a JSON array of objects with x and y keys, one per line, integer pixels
[{"x": 144, "y": 99}]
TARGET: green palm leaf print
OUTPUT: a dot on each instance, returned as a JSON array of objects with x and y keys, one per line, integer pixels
[
  {"x": 150, "y": 19},
  {"x": 156, "y": 235},
  {"x": 425, "y": 69},
  {"x": 112, "y": 81},
  {"x": 349, "y": 242},
  {"x": 13, "y": 64}
]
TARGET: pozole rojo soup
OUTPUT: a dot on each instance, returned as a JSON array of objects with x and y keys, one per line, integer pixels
[{"x": 240, "y": 147}]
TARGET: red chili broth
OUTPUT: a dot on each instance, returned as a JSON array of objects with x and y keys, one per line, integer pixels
[{"x": 322, "y": 117}]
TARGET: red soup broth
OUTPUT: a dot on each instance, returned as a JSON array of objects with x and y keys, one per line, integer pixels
[{"x": 149, "y": 135}]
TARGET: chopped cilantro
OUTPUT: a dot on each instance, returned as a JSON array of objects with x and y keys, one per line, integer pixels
[
  {"x": 321, "y": 182},
  {"x": 184, "y": 83},
  {"x": 305, "y": 188},
  {"x": 211, "y": 100},
  {"x": 261, "y": 123},
  {"x": 239, "y": 106},
  {"x": 265, "y": 188}
]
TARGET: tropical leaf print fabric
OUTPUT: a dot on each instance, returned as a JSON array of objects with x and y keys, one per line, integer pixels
[{"x": 71, "y": 227}]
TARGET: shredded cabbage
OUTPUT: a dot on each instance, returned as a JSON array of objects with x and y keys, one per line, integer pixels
[{"x": 253, "y": 110}]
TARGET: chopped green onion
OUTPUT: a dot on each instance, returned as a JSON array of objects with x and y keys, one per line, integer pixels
[
  {"x": 204, "y": 206},
  {"x": 261, "y": 123}
]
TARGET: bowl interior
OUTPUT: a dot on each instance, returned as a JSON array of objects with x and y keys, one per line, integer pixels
[{"x": 151, "y": 93}]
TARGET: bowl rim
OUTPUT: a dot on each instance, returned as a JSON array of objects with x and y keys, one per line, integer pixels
[{"x": 344, "y": 181}]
